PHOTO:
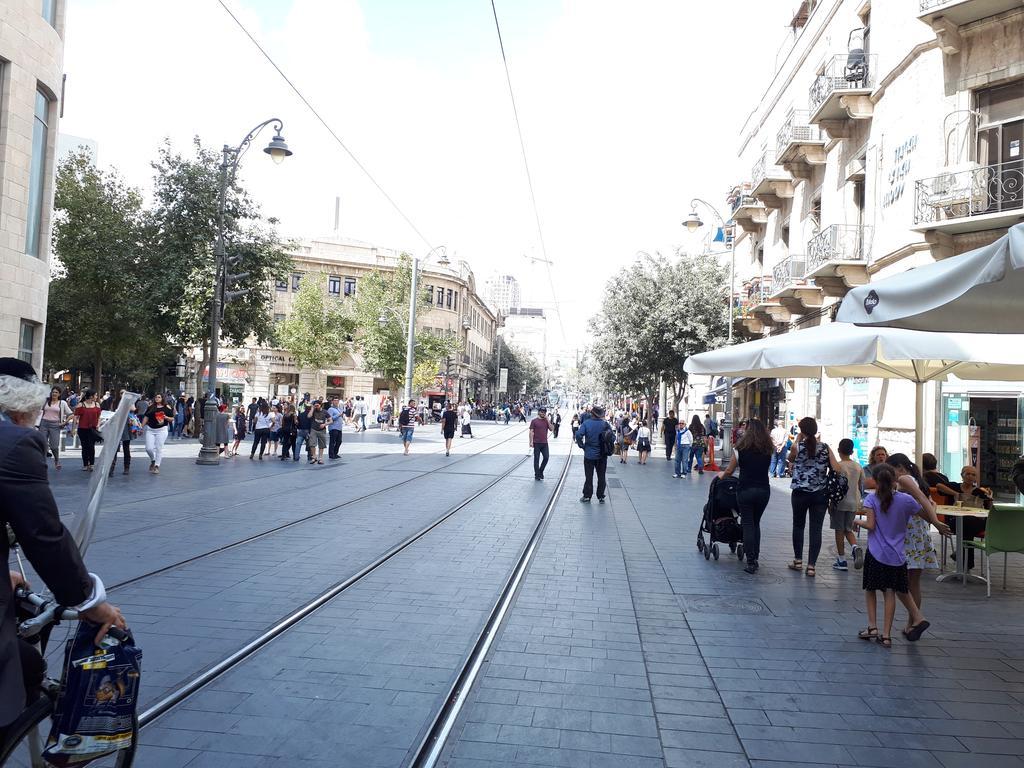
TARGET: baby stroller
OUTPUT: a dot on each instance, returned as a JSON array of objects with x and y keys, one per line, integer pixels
[{"x": 721, "y": 520}]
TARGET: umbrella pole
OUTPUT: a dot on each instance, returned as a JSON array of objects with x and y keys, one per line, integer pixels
[{"x": 918, "y": 421}]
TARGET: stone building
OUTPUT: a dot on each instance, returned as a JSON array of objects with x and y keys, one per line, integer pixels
[
  {"x": 455, "y": 307},
  {"x": 890, "y": 135},
  {"x": 31, "y": 55}
]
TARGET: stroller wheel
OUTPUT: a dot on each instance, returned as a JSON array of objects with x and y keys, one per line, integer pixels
[
  {"x": 700, "y": 542},
  {"x": 732, "y": 547},
  {"x": 714, "y": 550},
  {"x": 707, "y": 553},
  {"x": 739, "y": 551}
]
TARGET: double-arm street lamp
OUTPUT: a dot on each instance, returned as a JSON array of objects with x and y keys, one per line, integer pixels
[
  {"x": 693, "y": 223},
  {"x": 278, "y": 151},
  {"x": 410, "y": 339}
]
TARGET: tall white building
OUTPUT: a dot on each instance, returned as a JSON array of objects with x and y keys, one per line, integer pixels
[
  {"x": 502, "y": 291},
  {"x": 31, "y": 60},
  {"x": 891, "y": 135}
]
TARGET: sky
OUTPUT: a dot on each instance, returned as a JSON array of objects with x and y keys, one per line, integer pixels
[{"x": 628, "y": 111}]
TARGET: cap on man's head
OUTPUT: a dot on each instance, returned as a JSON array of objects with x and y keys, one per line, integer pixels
[
  {"x": 542, "y": 409},
  {"x": 13, "y": 366}
]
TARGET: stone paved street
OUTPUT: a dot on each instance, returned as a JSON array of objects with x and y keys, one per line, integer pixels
[{"x": 624, "y": 646}]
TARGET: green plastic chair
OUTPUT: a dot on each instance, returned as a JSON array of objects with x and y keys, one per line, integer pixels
[{"x": 1004, "y": 532}]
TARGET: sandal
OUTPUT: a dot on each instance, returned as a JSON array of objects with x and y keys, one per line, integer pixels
[
  {"x": 917, "y": 630},
  {"x": 871, "y": 633},
  {"x": 885, "y": 642},
  {"x": 796, "y": 565},
  {"x": 810, "y": 571}
]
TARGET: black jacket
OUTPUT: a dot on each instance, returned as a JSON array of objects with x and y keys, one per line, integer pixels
[{"x": 27, "y": 504}]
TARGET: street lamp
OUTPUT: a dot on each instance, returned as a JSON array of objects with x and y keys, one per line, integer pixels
[
  {"x": 278, "y": 151},
  {"x": 692, "y": 224}
]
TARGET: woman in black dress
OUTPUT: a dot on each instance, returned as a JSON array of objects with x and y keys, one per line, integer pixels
[
  {"x": 753, "y": 456},
  {"x": 448, "y": 421}
]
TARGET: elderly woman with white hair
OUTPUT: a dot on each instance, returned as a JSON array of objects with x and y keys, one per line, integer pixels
[{"x": 28, "y": 506}]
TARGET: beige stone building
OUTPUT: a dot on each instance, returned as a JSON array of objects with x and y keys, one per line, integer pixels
[
  {"x": 891, "y": 134},
  {"x": 455, "y": 308},
  {"x": 31, "y": 54}
]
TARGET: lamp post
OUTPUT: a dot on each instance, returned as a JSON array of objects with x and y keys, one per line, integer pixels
[
  {"x": 692, "y": 224},
  {"x": 410, "y": 338},
  {"x": 278, "y": 151}
]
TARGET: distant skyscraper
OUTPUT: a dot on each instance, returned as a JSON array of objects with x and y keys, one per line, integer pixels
[{"x": 502, "y": 291}]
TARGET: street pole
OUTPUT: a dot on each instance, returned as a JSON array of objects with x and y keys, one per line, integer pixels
[
  {"x": 210, "y": 452},
  {"x": 278, "y": 150},
  {"x": 497, "y": 371},
  {"x": 410, "y": 341}
]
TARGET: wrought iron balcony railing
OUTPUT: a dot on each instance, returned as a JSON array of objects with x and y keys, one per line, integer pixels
[
  {"x": 760, "y": 292},
  {"x": 971, "y": 192},
  {"x": 844, "y": 72},
  {"x": 927, "y": 5},
  {"x": 788, "y": 272},
  {"x": 743, "y": 201},
  {"x": 764, "y": 168},
  {"x": 839, "y": 242},
  {"x": 796, "y": 129}
]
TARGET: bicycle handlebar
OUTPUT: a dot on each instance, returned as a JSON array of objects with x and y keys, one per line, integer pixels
[{"x": 45, "y": 612}]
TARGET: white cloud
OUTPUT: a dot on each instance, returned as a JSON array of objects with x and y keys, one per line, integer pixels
[{"x": 628, "y": 111}]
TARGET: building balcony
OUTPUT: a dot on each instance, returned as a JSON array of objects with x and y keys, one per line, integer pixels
[
  {"x": 791, "y": 289},
  {"x": 749, "y": 214},
  {"x": 842, "y": 92},
  {"x": 946, "y": 17},
  {"x": 763, "y": 304},
  {"x": 799, "y": 145},
  {"x": 837, "y": 258},
  {"x": 769, "y": 182}
]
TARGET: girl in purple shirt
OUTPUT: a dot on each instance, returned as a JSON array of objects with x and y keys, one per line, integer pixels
[{"x": 885, "y": 565}]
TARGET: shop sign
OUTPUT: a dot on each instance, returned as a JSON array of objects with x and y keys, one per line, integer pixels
[
  {"x": 270, "y": 357},
  {"x": 335, "y": 381},
  {"x": 955, "y": 403},
  {"x": 899, "y": 172}
]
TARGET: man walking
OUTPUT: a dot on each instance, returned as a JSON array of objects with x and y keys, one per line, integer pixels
[
  {"x": 668, "y": 433},
  {"x": 778, "y": 465},
  {"x": 556, "y": 422},
  {"x": 539, "y": 429},
  {"x": 251, "y": 413},
  {"x": 591, "y": 437},
  {"x": 407, "y": 424},
  {"x": 335, "y": 421},
  {"x": 359, "y": 409}
]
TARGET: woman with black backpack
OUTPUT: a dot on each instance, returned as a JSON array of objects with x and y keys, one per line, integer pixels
[
  {"x": 811, "y": 461},
  {"x": 753, "y": 456}
]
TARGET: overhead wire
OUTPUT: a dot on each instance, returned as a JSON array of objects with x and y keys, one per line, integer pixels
[
  {"x": 526, "y": 166},
  {"x": 324, "y": 123}
]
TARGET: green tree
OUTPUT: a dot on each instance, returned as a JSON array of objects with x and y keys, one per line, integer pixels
[
  {"x": 318, "y": 331},
  {"x": 101, "y": 314},
  {"x": 184, "y": 216},
  {"x": 654, "y": 314},
  {"x": 523, "y": 368},
  {"x": 381, "y": 314}
]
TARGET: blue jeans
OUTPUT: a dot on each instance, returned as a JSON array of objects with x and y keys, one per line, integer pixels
[
  {"x": 779, "y": 463},
  {"x": 698, "y": 454},
  {"x": 301, "y": 438},
  {"x": 683, "y": 459}
]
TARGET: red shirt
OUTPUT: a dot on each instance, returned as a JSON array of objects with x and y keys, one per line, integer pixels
[
  {"x": 88, "y": 418},
  {"x": 540, "y": 429}
]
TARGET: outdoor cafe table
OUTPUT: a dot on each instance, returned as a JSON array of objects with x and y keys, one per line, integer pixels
[{"x": 961, "y": 560}]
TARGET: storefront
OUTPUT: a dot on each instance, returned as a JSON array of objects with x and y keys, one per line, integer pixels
[
  {"x": 857, "y": 417},
  {"x": 231, "y": 381},
  {"x": 335, "y": 387},
  {"x": 983, "y": 428}
]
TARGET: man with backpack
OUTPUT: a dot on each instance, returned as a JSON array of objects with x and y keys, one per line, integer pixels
[{"x": 597, "y": 439}]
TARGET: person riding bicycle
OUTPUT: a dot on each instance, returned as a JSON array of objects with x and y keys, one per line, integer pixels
[{"x": 28, "y": 506}]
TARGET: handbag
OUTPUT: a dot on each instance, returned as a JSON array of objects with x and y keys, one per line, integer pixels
[{"x": 836, "y": 487}]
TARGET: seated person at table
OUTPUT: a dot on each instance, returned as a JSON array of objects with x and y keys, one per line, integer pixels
[
  {"x": 969, "y": 494},
  {"x": 933, "y": 477}
]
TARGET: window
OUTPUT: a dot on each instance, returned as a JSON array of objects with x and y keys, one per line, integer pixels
[
  {"x": 350, "y": 286},
  {"x": 440, "y": 296},
  {"x": 296, "y": 281},
  {"x": 278, "y": 318},
  {"x": 334, "y": 285},
  {"x": 37, "y": 177},
  {"x": 27, "y": 342},
  {"x": 450, "y": 292},
  {"x": 456, "y": 307},
  {"x": 49, "y": 11},
  {"x": 281, "y": 285},
  {"x": 430, "y": 294}
]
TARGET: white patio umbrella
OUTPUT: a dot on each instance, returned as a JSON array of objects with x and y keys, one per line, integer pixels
[
  {"x": 981, "y": 291},
  {"x": 846, "y": 350}
]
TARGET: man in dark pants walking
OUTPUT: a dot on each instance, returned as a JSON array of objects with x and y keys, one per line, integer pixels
[
  {"x": 590, "y": 437},
  {"x": 538, "y": 430},
  {"x": 668, "y": 432}
]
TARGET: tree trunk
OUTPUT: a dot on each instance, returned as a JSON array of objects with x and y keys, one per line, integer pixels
[{"x": 97, "y": 374}]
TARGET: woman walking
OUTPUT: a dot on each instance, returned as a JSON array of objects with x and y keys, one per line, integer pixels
[
  {"x": 289, "y": 430},
  {"x": 448, "y": 420},
  {"x": 132, "y": 425},
  {"x": 811, "y": 461},
  {"x": 56, "y": 413},
  {"x": 699, "y": 444},
  {"x": 156, "y": 423},
  {"x": 241, "y": 422},
  {"x": 575, "y": 424},
  {"x": 87, "y": 422},
  {"x": 624, "y": 437},
  {"x": 920, "y": 554},
  {"x": 643, "y": 442},
  {"x": 261, "y": 431},
  {"x": 753, "y": 456},
  {"x": 224, "y": 428},
  {"x": 275, "y": 430},
  {"x": 889, "y": 512}
]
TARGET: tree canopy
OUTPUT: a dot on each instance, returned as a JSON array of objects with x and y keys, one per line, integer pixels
[
  {"x": 318, "y": 331},
  {"x": 523, "y": 368}
]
